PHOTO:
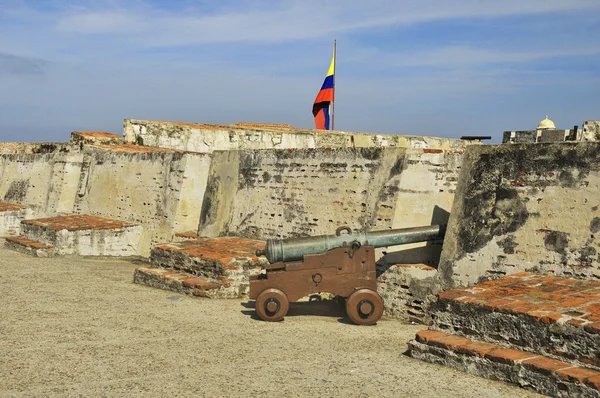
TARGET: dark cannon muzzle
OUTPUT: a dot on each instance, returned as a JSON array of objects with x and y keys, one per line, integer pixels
[{"x": 295, "y": 249}]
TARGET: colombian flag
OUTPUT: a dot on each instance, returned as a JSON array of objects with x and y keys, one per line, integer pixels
[{"x": 322, "y": 106}]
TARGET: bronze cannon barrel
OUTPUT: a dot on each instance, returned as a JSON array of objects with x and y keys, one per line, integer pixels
[{"x": 294, "y": 249}]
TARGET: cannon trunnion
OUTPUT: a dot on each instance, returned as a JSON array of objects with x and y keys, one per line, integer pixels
[{"x": 342, "y": 264}]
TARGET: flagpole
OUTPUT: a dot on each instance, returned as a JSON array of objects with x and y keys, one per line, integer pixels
[{"x": 333, "y": 102}]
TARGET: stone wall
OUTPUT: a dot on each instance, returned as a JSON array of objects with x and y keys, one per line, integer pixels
[
  {"x": 213, "y": 137},
  {"x": 591, "y": 130},
  {"x": 525, "y": 207},
  {"x": 43, "y": 178},
  {"x": 160, "y": 189},
  {"x": 289, "y": 193}
]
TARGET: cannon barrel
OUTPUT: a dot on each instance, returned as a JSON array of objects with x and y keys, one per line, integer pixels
[{"x": 295, "y": 249}]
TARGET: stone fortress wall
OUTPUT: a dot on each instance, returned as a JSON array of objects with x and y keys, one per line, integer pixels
[
  {"x": 262, "y": 181},
  {"x": 247, "y": 180}
]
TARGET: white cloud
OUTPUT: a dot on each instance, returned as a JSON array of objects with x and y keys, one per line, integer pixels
[
  {"x": 464, "y": 57},
  {"x": 289, "y": 20}
]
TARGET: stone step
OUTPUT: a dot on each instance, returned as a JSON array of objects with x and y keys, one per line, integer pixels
[
  {"x": 525, "y": 369},
  {"x": 85, "y": 235},
  {"x": 11, "y": 215},
  {"x": 28, "y": 246},
  {"x": 230, "y": 260},
  {"x": 547, "y": 315},
  {"x": 175, "y": 281}
]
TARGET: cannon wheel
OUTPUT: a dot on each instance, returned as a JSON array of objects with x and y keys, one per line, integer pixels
[
  {"x": 272, "y": 305},
  {"x": 364, "y": 307}
]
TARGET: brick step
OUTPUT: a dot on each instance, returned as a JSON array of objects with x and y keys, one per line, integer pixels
[
  {"x": 556, "y": 317},
  {"x": 525, "y": 369},
  {"x": 11, "y": 215},
  {"x": 28, "y": 246},
  {"x": 181, "y": 282},
  {"x": 85, "y": 235},
  {"x": 229, "y": 260}
]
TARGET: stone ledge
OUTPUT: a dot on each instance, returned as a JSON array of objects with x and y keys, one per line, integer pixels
[
  {"x": 5, "y": 206},
  {"x": 78, "y": 222},
  {"x": 28, "y": 246},
  {"x": 539, "y": 373},
  {"x": 556, "y": 317}
]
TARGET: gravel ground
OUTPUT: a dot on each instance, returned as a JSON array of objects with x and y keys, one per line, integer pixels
[{"x": 80, "y": 327}]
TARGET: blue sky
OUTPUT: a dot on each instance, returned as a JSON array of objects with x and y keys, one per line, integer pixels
[{"x": 431, "y": 67}]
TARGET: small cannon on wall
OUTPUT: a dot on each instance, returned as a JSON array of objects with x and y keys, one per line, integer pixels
[{"x": 342, "y": 264}]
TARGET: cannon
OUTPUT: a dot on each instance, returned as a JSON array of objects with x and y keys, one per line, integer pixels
[{"x": 342, "y": 264}]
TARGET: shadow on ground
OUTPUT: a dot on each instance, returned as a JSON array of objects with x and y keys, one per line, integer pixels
[{"x": 329, "y": 308}]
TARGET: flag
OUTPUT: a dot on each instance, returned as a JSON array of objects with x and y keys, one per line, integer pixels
[{"x": 322, "y": 105}]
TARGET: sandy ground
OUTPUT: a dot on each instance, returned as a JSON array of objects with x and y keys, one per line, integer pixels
[{"x": 80, "y": 327}]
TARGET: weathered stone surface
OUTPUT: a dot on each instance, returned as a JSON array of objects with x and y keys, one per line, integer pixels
[
  {"x": 551, "y": 316},
  {"x": 407, "y": 291},
  {"x": 212, "y": 137},
  {"x": 228, "y": 260},
  {"x": 85, "y": 235},
  {"x": 534, "y": 372},
  {"x": 525, "y": 207},
  {"x": 290, "y": 193},
  {"x": 80, "y": 138},
  {"x": 159, "y": 188},
  {"x": 591, "y": 130},
  {"x": 42, "y": 178},
  {"x": 11, "y": 215}
]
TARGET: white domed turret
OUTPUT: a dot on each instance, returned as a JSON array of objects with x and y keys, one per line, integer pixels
[{"x": 546, "y": 124}]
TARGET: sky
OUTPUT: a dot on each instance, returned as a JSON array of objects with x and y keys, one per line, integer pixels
[{"x": 431, "y": 67}]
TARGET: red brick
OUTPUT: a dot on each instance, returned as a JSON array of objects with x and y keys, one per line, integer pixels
[
  {"x": 592, "y": 308},
  {"x": 495, "y": 304},
  {"x": 508, "y": 356},
  {"x": 545, "y": 317},
  {"x": 476, "y": 348},
  {"x": 593, "y": 382},
  {"x": 576, "y": 322},
  {"x": 5, "y": 206},
  {"x": 576, "y": 374},
  {"x": 545, "y": 365},
  {"x": 449, "y": 342},
  {"x": 452, "y": 294},
  {"x": 424, "y": 336}
]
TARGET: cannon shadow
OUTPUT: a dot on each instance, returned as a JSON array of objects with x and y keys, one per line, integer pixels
[
  {"x": 329, "y": 308},
  {"x": 429, "y": 254}
]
